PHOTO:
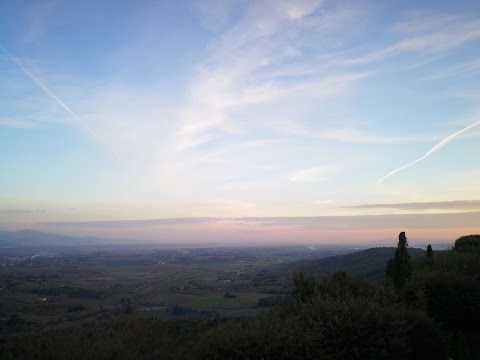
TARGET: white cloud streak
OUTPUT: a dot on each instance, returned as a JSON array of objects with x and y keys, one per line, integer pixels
[
  {"x": 41, "y": 85},
  {"x": 431, "y": 151},
  {"x": 432, "y": 39},
  {"x": 310, "y": 174}
]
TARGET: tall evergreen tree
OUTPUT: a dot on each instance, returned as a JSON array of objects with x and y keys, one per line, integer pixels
[
  {"x": 429, "y": 251},
  {"x": 399, "y": 268}
]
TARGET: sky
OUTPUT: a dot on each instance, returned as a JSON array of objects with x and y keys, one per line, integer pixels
[{"x": 241, "y": 121}]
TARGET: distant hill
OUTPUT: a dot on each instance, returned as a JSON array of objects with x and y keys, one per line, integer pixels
[
  {"x": 369, "y": 264},
  {"x": 37, "y": 238}
]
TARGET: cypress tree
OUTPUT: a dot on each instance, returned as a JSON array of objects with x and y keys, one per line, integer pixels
[
  {"x": 399, "y": 268},
  {"x": 429, "y": 251}
]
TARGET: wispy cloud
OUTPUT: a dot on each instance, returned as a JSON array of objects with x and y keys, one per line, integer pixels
[
  {"x": 356, "y": 136},
  {"x": 23, "y": 211},
  {"x": 347, "y": 134},
  {"x": 134, "y": 223},
  {"x": 434, "y": 36},
  {"x": 431, "y": 151},
  {"x": 214, "y": 14},
  {"x": 410, "y": 221},
  {"x": 38, "y": 20},
  {"x": 429, "y": 205},
  {"x": 311, "y": 174},
  {"x": 465, "y": 69},
  {"x": 256, "y": 60}
]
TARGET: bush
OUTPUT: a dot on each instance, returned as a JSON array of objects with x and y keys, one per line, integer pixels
[{"x": 341, "y": 318}]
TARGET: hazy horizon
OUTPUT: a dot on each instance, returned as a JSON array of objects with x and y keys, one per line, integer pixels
[
  {"x": 241, "y": 121},
  {"x": 327, "y": 230}
]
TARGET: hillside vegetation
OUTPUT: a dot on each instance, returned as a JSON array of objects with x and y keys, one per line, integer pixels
[{"x": 369, "y": 264}]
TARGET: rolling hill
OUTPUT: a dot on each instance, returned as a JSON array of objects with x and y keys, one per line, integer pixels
[{"x": 369, "y": 264}]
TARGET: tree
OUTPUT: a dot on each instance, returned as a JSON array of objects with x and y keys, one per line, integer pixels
[
  {"x": 399, "y": 268},
  {"x": 429, "y": 251},
  {"x": 469, "y": 243},
  {"x": 305, "y": 287}
]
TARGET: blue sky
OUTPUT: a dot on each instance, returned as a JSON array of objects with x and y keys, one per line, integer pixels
[{"x": 326, "y": 116}]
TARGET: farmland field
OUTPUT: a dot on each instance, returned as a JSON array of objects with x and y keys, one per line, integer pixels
[{"x": 78, "y": 284}]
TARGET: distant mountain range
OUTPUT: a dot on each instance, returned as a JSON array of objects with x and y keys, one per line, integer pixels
[{"x": 37, "y": 238}]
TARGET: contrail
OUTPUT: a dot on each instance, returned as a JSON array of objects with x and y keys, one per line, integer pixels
[
  {"x": 430, "y": 152},
  {"x": 38, "y": 82}
]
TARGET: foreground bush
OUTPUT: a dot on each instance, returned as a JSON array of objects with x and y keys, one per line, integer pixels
[
  {"x": 328, "y": 328},
  {"x": 118, "y": 339},
  {"x": 447, "y": 287}
]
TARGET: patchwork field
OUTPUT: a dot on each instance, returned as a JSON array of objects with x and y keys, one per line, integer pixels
[{"x": 80, "y": 284}]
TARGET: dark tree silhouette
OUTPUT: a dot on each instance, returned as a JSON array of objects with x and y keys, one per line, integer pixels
[
  {"x": 305, "y": 287},
  {"x": 468, "y": 243},
  {"x": 399, "y": 268},
  {"x": 429, "y": 251}
]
